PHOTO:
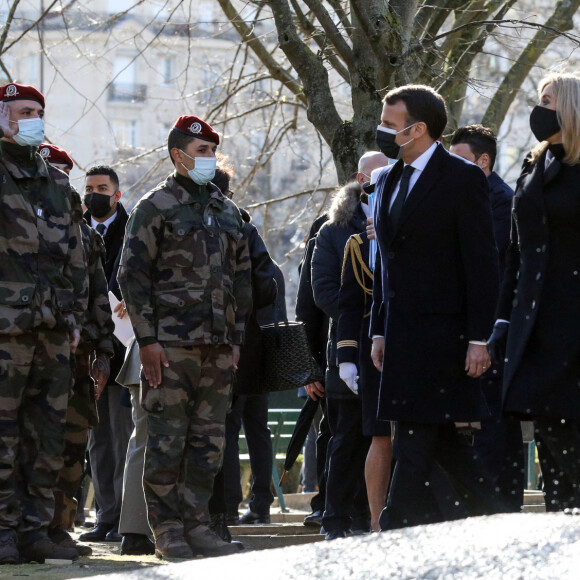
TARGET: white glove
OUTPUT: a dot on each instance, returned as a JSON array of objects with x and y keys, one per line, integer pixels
[{"x": 348, "y": 373}]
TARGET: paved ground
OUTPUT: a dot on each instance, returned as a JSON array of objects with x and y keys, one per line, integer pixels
[{"x": 507, "y": 547}]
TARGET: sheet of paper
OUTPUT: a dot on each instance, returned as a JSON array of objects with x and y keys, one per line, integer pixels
[{"x": 123, "y": 328}]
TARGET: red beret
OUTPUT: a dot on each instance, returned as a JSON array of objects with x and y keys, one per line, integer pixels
[
  {"x": 196, "y": 127},
  {"x": 15, "y": 92},
  {"x": 53, "y": 154}
]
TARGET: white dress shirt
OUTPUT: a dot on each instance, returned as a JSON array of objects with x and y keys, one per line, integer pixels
[
  {"x": 418, "y": 165},
  {"x": 106, "y": 223}
]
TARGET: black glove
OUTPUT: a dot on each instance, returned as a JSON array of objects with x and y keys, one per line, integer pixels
[{"x": 496, "y": 343}]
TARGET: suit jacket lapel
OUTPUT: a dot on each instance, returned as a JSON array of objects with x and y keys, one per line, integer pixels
[{"x": 427, "y": 180}]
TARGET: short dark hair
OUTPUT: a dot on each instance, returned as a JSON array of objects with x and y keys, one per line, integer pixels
[
  {"x": 480, "y": 140},
  {"x": 423, "y": 105},
  {"x": 105, "y": 170},
  {"x": 178, "y": 139}
]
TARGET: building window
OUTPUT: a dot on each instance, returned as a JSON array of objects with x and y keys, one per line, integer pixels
[
  {"x": 168, "y": 71},
  {"x": 123, "y": 88},
  {"x": 33, "y": 62},
  {"x": 126, "y": 133},
  {"x": 206, "y": 14}
]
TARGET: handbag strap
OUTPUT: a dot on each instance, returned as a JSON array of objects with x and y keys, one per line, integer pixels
[{"x": 277, "y": 315}]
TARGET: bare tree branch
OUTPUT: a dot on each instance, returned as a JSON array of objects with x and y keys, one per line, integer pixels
[
  {"x": 332, "y": 31},
  {"x": 8, "y": 24},
  {"x": 250, "y": 38},
  {"x": 291, "y": 196},
  {"x": 310, "y": 30},
  {"x": 560, "y": 20}
]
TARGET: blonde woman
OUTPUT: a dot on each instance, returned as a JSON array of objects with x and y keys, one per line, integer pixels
[{"x": 538, "y": 326}]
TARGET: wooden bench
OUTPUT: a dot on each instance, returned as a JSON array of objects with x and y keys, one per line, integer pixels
[{"x": 281, "y": 423}]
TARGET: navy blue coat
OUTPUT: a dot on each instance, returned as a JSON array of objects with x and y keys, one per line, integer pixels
[
  {"x": 500, "y": 196},
  {"x": 346, "y": 218},
  {"x": 435, "y": 289}
]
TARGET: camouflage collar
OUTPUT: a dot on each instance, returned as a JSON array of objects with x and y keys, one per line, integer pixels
[
  {"x": 19, "y": 172},
  {"x": 186, "y": 198},
  {"x": 216, "y": 194}
]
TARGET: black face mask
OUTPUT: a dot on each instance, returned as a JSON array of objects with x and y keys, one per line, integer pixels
[
  {"x": 387, "y": 144},
  {"x": 98, "y": 204},
  {"x": 544, "y": 122}
]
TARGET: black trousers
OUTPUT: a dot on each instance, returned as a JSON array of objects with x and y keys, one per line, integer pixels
[
  {"x": 501, "y": 448},
  {"x": 346, "y": 497},
  {"x": 319, "y": 500},
  {"x": 558, "y": 443},
  {"x": 418, "y": 449},
  {"x": 251, "y": 412}
]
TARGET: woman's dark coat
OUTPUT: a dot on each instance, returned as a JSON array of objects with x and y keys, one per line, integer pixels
[
  {"x": 541, "y": 294},
  {"x": 264, "y": 292}
]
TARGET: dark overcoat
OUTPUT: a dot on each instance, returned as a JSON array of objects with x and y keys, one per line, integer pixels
[
  {"x": 541, "y": 294},
  {"x": 265, "y": 289},
  {"x": 113, "y": 245},
  {"x": 435, "y": 289},
  {"x": 316, "y": 322},
  {"x": 346, "y": 217}
]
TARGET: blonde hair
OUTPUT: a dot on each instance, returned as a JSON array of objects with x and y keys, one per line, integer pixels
[{"x": 566, "y": 88}]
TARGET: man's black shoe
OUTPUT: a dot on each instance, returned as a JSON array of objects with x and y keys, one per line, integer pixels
[
  {"x": 232, "y": 518},
  {"x": 314, "y": 519},
  {"x": 98, "y": 533},
  {"x": 218, "y": 525},
  {"x": 334, "y": 535},
  {"x": 251, "y": 517},
  {"x": 137, "y": 545},
  {"x": 113, "y": 534}
]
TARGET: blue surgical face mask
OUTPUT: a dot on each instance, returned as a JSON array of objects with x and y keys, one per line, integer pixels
[
  {"x": 30, "y": 132},
  {"x": 204, "y": 170}
]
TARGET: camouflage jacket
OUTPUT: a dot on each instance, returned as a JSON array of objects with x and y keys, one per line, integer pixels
[
  {"x": 98, "y": 327},
  {"x": 185, "y": 270},
  {"x": 43, "y": 278}
]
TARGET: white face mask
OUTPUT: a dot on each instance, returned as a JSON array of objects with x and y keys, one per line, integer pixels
[
  {"x": 204, "y": 170},
  {"x": 30, "y": 132}
]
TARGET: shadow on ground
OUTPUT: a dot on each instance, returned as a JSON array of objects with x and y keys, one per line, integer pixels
[{"x": 106, "y": 559}]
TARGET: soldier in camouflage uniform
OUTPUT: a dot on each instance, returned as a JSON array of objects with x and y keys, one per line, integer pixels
[
  {"x": 96, "y": 343},
  {"x": 185, "y": 277},
  {"x": 43, "y": 295}
]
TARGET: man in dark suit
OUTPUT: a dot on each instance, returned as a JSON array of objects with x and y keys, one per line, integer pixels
[
  {"x": 109, "y": 439},
  {"x": 499, "y": 441},
  {"x": 434, "y": 295}
]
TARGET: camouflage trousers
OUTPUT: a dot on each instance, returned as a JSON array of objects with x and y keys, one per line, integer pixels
[
  {"x": 186, "y": 435},
  {"x": 81, "y": 416},
  {"x": 35, "y": 380}
]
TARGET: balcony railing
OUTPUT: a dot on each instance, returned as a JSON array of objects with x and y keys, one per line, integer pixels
[{"x": 127, "y": 93}]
